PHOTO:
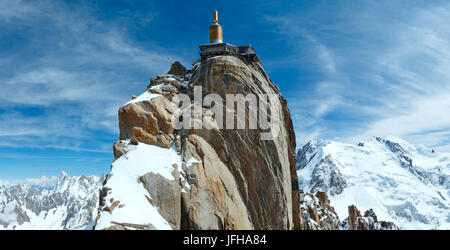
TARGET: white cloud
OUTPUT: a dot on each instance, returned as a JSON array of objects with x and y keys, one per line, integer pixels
[
  {"x": 379, "y": 74},
  {"x": 44, "y": 181},
  {"x": 11, "y": 9},
  {"x": 419, "y": 70},
  {"x": 84, "y": 71},
  {"x": 429, "y": 114}
]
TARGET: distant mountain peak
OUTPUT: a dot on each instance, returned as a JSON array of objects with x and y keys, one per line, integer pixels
[{"x": 63, "y": 175}]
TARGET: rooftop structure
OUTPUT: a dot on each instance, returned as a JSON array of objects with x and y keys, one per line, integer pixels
[{"x": 217, "y": 47}]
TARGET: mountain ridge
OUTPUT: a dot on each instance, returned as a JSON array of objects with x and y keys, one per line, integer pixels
[
  {"x": 70, "y": 203},
  {"x": 403, "y": 183}
]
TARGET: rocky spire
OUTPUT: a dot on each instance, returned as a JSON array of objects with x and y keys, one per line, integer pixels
[{"x": 218, "y": 178}]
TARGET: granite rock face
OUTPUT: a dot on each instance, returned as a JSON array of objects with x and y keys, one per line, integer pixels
[
  {"x": 223, "y": 178},
  {"x": 264, "y": 170}
]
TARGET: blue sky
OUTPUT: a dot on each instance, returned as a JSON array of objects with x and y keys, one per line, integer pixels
[{"x": 350, "y": 70}]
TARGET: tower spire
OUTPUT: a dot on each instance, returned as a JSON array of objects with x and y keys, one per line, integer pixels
[
  {"x": 216, "y": 17},
  {"x": 215, "y": 30}
]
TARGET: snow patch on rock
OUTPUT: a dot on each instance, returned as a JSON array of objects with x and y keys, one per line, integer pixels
[{"x": 125, "y": 187}]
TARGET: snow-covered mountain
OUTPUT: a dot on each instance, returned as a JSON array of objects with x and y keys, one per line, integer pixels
[
  {"x": 403, "y": 183},
  {"x": 70, "y": 204}
]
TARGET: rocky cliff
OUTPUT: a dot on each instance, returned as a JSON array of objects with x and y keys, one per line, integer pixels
[{"x": 165, "y": 177}]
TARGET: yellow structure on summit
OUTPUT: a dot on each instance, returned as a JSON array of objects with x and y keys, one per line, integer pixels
[
  {"x": 217, "y": 46},
  {"x": 215, "y": 30}
]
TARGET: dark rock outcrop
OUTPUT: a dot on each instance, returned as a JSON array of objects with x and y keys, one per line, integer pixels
[
  {"x": 369, "y": 221},
  {"x": 318, "y": 214},
  {"x": 177, "y": 69}
]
